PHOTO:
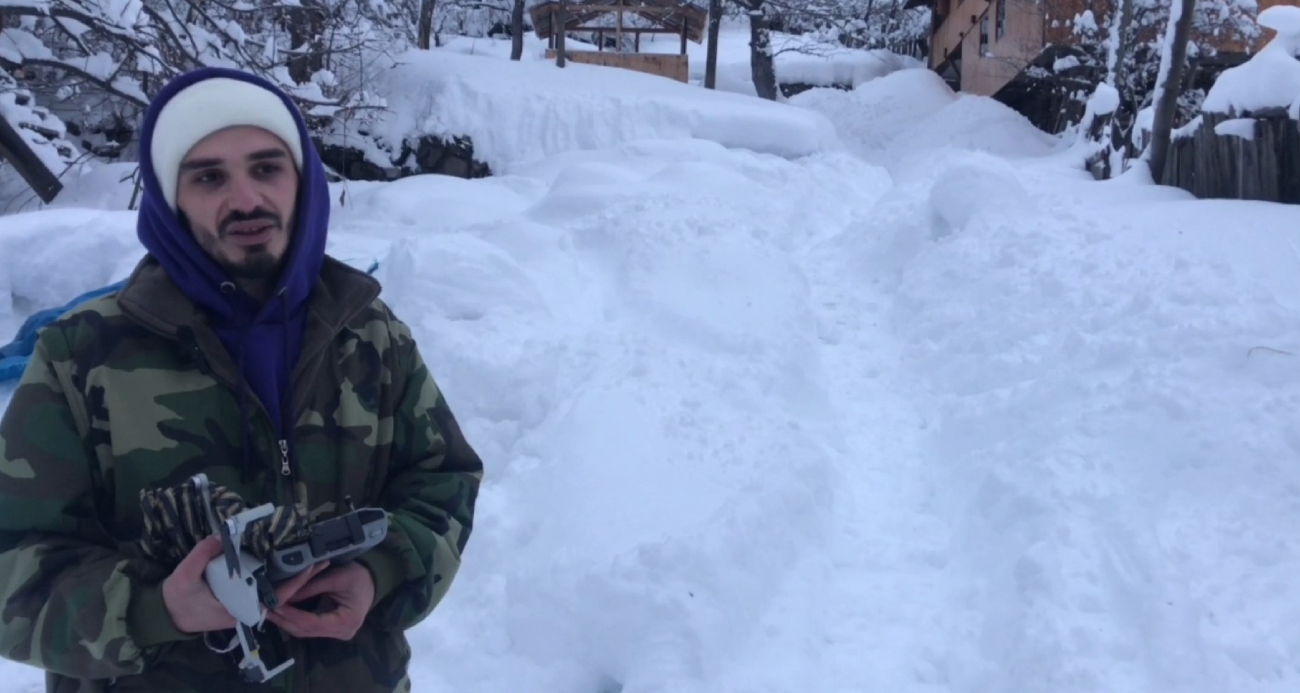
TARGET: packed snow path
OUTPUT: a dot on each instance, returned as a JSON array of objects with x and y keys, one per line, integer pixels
[{"x": 944, "y": 416}]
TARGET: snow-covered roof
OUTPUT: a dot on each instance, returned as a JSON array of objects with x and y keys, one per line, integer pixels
[{"x": 667, "y": 14}]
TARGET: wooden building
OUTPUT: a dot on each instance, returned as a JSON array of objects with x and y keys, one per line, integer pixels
[
  {"x": 610, "y": 21},
  {"x": 990, "y": 47}
]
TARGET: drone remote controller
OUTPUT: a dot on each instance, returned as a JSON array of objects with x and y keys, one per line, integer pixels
[{"x": 245, "y": 584}]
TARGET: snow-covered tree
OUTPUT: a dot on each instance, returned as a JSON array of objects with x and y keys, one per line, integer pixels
[
  {"x": 1121, "y": 45},
  {"x": 853, "y": 23},
  {"x": 1173, "y": 50},
  {"x": 99, "y": 61}
]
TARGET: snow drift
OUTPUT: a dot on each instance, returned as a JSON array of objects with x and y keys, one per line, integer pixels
[
  {"x": 521, "y": 111},
  {"x": 909, "y": 113}
]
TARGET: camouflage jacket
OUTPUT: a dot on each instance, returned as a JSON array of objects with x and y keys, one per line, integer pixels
[{"x": 135, "y": 391}]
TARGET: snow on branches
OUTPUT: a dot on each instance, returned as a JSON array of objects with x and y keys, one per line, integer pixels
[{"x": 79, "y": 51}]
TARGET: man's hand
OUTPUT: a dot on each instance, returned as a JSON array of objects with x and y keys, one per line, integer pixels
[
  {"x": 189, "y": 599},
  {"x": 348, "y": 592}
]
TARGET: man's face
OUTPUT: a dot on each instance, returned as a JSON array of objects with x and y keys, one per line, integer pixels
[{"x": 237, "y": 191}]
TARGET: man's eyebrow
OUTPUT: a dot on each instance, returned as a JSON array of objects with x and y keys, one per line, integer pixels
[
  {"x": 196, "y": 164},
  {"x": 264, "y": 154},
  {"x": 259, "y": 155}
]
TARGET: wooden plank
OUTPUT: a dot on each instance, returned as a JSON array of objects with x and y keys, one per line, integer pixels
[
  {"x": 662, "y": 64},
  {"x": 634, "y": 30},
  {"x": 614, "y": 9},
  {"x": 1289, "y": 163}
]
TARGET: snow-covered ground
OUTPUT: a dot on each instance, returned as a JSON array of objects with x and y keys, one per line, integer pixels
[{"x": 933, "y": 412}]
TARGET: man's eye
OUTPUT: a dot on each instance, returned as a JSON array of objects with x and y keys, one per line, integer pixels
[
  {"x": 209, "y": 178},
  {"x": 267, "y": 169}
]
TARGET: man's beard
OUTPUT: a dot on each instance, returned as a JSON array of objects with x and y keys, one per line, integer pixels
[{"x": 257, "y": 264}]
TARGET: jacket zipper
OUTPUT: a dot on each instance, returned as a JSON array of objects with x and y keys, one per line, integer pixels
[
  {"x": 206, "y": 367},
  {"x": 284, "y": 458}
]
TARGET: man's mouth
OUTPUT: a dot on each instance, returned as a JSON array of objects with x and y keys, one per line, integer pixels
[{"x": 250, "y": 232}]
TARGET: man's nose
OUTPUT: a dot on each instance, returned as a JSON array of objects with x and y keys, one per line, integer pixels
[{"x": 244, "y": 194}]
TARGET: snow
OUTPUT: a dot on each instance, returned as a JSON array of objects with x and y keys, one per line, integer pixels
[
  {"x": 824, "y": 66},
  {"x": 517, "y": 112},
  {"x": 1271, "y": 78},
  {"x": 798, "y": 60},
  {"x": 910, "y": 115},
  {"x": 1237, "y": 127},
  {"x": 933, "y": 412},
  {"x": 1069, "y": 62},
  {"x": 17, "y": 44}
]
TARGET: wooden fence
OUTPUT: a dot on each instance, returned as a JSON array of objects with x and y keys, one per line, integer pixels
[
  {"x": 1219, "y": 162},
  {"x": 663, "y": 64}
]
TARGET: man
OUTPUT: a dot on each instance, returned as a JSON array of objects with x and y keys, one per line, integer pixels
[{"x": 237, "y": 348}]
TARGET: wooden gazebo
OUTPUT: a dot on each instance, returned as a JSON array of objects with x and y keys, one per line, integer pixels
[{"x": 684, "y": 19}]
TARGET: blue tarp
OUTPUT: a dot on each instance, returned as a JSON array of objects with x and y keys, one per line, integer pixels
[{"x": 14, "y": 355}]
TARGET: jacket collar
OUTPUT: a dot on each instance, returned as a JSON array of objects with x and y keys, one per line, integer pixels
[{"x": 339, "y": 293}]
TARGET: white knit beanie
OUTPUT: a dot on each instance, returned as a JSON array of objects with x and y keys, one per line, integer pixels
[{"x": 206, "y": 107}]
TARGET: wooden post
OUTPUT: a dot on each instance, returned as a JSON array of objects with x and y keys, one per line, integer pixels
[
  {"x": 618, "y": 37},
  {"x": 686, "y": 22},
  {"x": 711, "y": 57},
  {"x": 600, "y": 42},
  {"x": 558, "y": 30},
  {"x": 636, "y": 41}
]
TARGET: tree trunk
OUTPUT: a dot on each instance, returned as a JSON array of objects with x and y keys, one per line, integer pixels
[
  {"x": 424, "y": 24},
  {"x": 1169, "y": 83},
  {"x": 711, "y": 57},
  {"x": 517, "y": 30},
  {"x": 306, "y": 23},
  {"x": 762, "y": 65},
  {"x": 1119, "y": 49}
]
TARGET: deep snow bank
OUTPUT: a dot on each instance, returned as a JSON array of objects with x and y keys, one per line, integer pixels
[
  {"x": 912, "y": 113},
  {"x": 1109, "y": 412},
  {"x": 635, "y": 353},
  {"x": 517, "y": 112}
]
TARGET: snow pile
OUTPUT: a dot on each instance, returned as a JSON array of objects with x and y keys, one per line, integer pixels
[
  {"x": 908, "y": 113},
  {"x": 801, "y": 62},
  {"x": 521, "y": 111},
  {"x": 1271, "y": 78},
  {"x": 1106, "y": 384},
  {"x": 1104, "y": 101},
  {"x": 53, "y": 256}
]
